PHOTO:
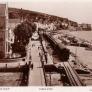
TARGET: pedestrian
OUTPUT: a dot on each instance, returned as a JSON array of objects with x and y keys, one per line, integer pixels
[
  {"x": 32, "y": 45},
  {"x": 38, "y": 47},
  {"x": 32, "y": 66}
]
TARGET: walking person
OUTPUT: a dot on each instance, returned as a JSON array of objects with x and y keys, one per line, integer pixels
[{"x": 31, "y": 65}]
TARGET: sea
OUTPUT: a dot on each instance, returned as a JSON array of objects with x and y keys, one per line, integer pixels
[
  {"x": 84, "y": 55},
  {"x": 87, "y": 35}
]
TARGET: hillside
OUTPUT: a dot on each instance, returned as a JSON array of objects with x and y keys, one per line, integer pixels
[{"x": 21, "y": 13}]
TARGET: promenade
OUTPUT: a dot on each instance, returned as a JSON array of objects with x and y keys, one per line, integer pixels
[{"x": 36, "y": 76}]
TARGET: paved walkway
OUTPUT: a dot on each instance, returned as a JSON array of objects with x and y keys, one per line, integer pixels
[{"x": 36, "y": 76}]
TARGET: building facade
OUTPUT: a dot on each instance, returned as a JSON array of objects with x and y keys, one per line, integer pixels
[
  {"x": 5, "y": 32},
  {"x": 3, "y": 29}
]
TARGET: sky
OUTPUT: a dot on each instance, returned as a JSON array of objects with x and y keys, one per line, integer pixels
[{"x": 80, "y": 12}]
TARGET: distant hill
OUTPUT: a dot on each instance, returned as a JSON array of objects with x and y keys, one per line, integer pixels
[
  {"x": 15, "y": 13},
  {"x": 18, "y": 13},
  {"x": 21, "y": 13}
]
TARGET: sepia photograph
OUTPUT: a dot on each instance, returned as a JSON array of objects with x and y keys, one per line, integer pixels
[{"x": 46, "y": 43}]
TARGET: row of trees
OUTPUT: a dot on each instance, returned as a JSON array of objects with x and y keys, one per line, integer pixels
[{"x": 22, "y": 34}]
